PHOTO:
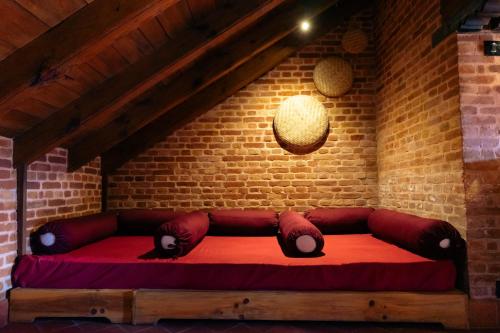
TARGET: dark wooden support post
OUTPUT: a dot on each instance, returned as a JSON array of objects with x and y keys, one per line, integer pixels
[
  {"x": 22, "y": 194},
  {"x": 453, "y": 12},
  {"x": 104, "y": 191},
  {"x": 101, "y": 104}
]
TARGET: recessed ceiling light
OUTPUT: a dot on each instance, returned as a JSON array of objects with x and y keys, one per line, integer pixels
[{"x": 305, "y": 25}]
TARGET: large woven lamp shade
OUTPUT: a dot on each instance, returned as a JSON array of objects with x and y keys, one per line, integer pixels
[
  {"x": 333, "y": 76},
  {"x": 355, "y": 41},
  {"x": 301, "y": 122}
]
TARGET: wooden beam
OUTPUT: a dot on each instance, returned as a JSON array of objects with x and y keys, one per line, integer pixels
[
  {"x": 184, "y": 85},
  {"x": 146, "y": 306},
  {"x": 26, "y": 304},
  {"x": 100, "y": 105},
  {"x": 81, "y": 35},
  {"x": 104, "y": 190},
  {"x": 22, "y": 195},
  {"x": 448, "y": 308},
  {"x": 225, "y": 87},
  {"x": 203, "y": 101},
  {"x": 453, "y": 12}
]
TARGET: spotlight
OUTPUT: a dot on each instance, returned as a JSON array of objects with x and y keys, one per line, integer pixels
[{"x": 305, "y": 25}]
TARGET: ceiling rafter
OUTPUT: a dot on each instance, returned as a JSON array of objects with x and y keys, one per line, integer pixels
[
  {"x": 217, "y": 63},
  {"x": 453, "y": 13}
]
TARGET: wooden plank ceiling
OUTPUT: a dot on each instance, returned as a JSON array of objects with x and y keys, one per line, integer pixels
[
  {"x": 52, "y": 87},
  {"x": 98, "y": 86}
]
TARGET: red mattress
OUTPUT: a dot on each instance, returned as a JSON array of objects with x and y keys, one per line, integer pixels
[{"x": 350, "y": 262}]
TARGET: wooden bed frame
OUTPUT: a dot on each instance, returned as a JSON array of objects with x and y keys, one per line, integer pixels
[{"x": 146, "y": 306}]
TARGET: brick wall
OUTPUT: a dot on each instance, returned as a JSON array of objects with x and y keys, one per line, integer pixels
[
  {"x": 8, "y": 223},
  {"x": 419, "y": 141},
  {"x": 229, "y": 156},
  {"x": 54, "y": 193},
  {"x": 480, "y": 106}
]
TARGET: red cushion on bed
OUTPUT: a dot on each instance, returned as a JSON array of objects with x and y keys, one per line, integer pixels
[
  {"x": 340, "y": 220},
  {"x": 143, "y": 221},
  {"x": 243, "y": 222},
  {"x": 350, "y": 262},
  {"x": 70, "y": 234},
  {"x": 188, "y": 230},
  {"x": 417, "y": 234},
  {"x": 293, "y": 225}
]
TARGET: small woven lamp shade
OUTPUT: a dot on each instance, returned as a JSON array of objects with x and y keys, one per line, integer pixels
[
  {"x": 333, "y": 76},
  {"x": 301, "y": 122},
  {"x": 354, "y": 41}
]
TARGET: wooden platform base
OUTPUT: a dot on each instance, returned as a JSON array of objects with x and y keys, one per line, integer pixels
[
  {"x": 149, "y": 306},
  {"x": 25, "y": 304}
]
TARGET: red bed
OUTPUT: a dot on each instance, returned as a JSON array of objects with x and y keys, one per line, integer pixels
[{"x": 357, "y": 262}]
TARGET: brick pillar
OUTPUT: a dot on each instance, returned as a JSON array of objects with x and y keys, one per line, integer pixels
[{"x": 480, "y": 109}]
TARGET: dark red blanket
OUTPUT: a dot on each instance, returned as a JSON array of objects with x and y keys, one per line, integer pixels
[{"x": 351, "y": 262}]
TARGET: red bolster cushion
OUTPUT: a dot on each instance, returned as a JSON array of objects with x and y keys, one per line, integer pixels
[
  {"x": 298, "y": 235},
  {"x": 66, "y": 235},
  {"x": 143, "y": 222},
  {"x": 234, "y": 222},
  {"x": 340, "y": 220},
  {"x": 429, "y": 238},
  {"x": 178, "y": 237}
]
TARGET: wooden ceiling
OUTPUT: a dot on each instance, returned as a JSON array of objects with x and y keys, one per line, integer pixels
[
  {"x": 110, "y": 78},
  {"x": 49, "y": 87}
]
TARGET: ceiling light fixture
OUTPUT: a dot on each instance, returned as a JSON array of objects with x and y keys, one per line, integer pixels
[{"x": 305, "y": 25}]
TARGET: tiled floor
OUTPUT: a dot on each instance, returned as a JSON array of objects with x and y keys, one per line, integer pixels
[{"x": 180, "y": 326}]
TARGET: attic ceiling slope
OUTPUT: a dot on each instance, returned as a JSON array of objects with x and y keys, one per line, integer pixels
[
  {"x": 211, "y": 67},
  {"x": 102, "y": 104},
  {"x": 60, "y": 86},
  {"x": 84, "y": 33},
  {"x": 225, "y": 87},
  {"x": 24, "y": 20}
]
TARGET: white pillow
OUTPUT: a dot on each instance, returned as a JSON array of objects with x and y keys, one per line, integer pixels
[{"x": 305, "y": 243}]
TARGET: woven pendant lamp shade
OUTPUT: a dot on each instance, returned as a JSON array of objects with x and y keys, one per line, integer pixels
[
  {"x": 301, "y": 122},
  {"x": 355, "y": 41},
  {"x": 333, "y": 76}
]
